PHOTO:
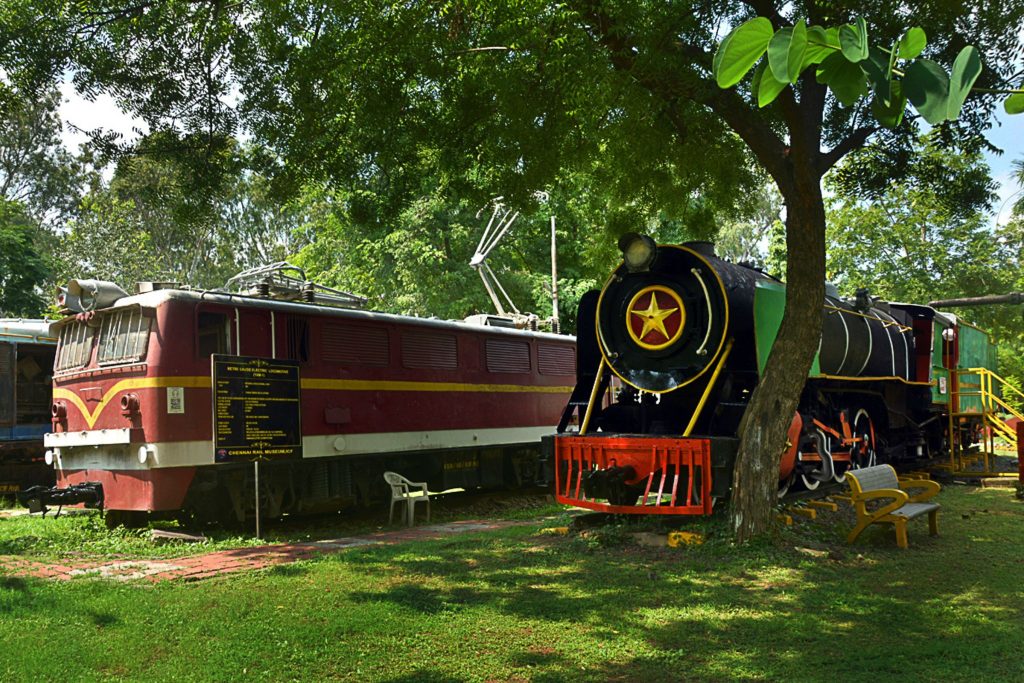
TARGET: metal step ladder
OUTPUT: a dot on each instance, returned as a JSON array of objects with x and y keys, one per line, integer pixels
[{"x": 983, "y": 398}]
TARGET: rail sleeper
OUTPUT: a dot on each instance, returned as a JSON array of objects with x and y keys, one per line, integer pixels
[{"x": 880, "y": 482}]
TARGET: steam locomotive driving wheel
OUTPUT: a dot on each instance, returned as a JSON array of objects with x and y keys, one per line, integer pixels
[{"x": 863, "y": 453}]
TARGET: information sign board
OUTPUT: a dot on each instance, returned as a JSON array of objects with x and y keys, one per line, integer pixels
[{"x": 256, "y": 409}]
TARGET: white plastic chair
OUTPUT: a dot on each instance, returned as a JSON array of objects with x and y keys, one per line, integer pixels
[{"x": 408, "y": 492}]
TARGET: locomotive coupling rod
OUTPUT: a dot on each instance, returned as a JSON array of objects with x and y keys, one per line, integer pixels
[{"x": 1013, "y": 298}]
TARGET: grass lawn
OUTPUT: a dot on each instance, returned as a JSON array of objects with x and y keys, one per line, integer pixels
[
  {"x": 517, "y": 605},
  {"x": 84, "y": 535}
]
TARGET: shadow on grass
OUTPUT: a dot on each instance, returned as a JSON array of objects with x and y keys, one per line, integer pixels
[
  {"x": 719, "y": 613},
  {"x": 425, "y": 676},
  {"x": 102, "y": 619},
  {"x": 288, "y": 570},
  {"x": 16, "y": 595}
]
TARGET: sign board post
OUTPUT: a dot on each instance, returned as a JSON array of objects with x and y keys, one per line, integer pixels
[{"x": 256, "y": 412}]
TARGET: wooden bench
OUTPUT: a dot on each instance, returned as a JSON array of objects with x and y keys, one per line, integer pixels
[{"x": 880, "y": 482}]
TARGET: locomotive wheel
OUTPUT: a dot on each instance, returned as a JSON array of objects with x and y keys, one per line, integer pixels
[
  {"x": 863, "y": 454},
  {"x": 839, "y": 470},
  {"x": 824, "y": 471},
  {"x": 785, "y": 484}
]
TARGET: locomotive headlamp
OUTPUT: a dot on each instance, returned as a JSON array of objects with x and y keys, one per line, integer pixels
[{"x": 638, "y": 251}]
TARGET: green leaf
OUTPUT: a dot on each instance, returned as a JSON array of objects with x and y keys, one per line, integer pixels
[
  {"x": 1014, "y": 104},
  {"x": 876, "y": 66},
  {"x": 786, "y": 52},
  {"x": 818, "y": 46},
  {"x": 912, "y": 43},
  {"x": 966, "y": 70},
  {"x": 890, "y": 113},
  {"x": 927, "y": 87},
  {"x": 740, "y": 51},
  {"x": 844, "y": 78},
  {"x": 766, "y": 85},
  {"x": 854, "y": 41}
]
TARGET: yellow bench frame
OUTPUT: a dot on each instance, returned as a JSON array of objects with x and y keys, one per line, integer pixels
[{"x": 899, "y": 496}]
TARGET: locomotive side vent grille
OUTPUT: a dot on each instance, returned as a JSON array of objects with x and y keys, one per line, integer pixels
[
  {"x": 298, "y": 340},
  {"x": 508, "y": 356},
  {"x": 556, "y": 360},
  {"x": 430, "y": 351},
  {"x": 356, "y": 345}
]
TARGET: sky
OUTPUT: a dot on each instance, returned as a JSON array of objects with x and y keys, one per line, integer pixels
[{"x": 1007, "y": 134}]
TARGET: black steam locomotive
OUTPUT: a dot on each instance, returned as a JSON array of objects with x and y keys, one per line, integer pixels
[{"x": 672, "y": 347}]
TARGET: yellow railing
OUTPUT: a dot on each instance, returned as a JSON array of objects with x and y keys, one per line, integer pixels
[{"x": 987, "y": 394}]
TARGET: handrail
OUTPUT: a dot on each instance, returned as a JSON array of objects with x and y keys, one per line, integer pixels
[
  {"x": 985, "y": 371},
  {"x": 993, "y": 408},
  {"x": 1007, "y": 407}
]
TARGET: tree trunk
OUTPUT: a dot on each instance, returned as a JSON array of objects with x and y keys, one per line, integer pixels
[{"x": 768, "y": 417}]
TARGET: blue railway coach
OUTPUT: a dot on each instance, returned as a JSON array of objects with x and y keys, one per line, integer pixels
[{"x": 26, "y": 377}]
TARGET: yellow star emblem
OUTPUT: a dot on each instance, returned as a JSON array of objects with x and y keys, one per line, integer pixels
[
  {"x": 657, "y": 317},
  {"x": 654, "y": 317}
]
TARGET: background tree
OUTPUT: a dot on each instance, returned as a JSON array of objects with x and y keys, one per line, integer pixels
[
  {"x": 151, "y": 221},
  {"x": 39, "y": 185},
  {"x": 35, "y": 168},
  {"x": 23, "y": 268}
]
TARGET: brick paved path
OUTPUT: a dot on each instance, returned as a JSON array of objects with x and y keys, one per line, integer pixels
[{"x": 228, "y": 561}]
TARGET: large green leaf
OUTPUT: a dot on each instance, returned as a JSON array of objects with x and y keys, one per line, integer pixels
[
  {"x": 819, "y": 45},
  {"x": 1014, "y": 104},
  {"x": 740, "y": 51},
  {"x": 912, "y": 43},
  {"x": 854, "y": 41},
  {"x": 766, "y": 85},
  {"x": 926, "y": 85},
  {"x": 890, "y": 113},
  {"x": 844, "y": 78},
  {"x": 966, "y": 70},
  {"x": 786, "y": 52},
  {"x": 876, "y": 66}
]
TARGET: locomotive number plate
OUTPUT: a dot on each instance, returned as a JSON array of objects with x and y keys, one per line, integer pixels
[{"x": 256, "y": 409}]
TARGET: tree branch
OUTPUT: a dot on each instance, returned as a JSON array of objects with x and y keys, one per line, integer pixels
[
  {"x": 753, "y": 129},
  {"x": 766, "y": 8},
  {"x": 854, "y": 140}
]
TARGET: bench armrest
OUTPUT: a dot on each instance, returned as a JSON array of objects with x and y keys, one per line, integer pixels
[
  {"x": 931, "y": 489},
  {"x": 899, "y": 499}
]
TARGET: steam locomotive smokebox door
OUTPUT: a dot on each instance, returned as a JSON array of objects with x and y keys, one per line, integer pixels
[
  {"x": 663, "y": 329},
  {"x": 256, "y": 409}
]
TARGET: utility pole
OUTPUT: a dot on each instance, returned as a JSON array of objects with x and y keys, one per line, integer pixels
[{"x": 554, "y": 280}]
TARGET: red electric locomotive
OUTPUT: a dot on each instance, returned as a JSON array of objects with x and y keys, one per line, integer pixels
[{"x": 135, "y": 405}]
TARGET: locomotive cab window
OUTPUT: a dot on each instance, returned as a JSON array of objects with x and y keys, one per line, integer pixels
[
  {"x": 74, "y": 347},
  {"x": 124, "y": 337},
  {"x": 213, "y": 334}
]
